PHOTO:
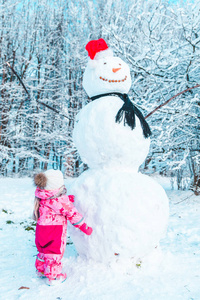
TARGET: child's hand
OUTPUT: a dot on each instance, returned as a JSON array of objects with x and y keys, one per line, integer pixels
[
  {"x": 71, "y": 198},
  {"x": 86, "y": 229}
]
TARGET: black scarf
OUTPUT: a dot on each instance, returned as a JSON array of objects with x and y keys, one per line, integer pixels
[{"x": 128, "y": 111}]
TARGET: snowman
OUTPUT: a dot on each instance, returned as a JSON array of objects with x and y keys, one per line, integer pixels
[{"x": 127, "y": 210}]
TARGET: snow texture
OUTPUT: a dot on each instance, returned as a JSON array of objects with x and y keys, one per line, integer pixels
[{"x": 171, "y": 273}]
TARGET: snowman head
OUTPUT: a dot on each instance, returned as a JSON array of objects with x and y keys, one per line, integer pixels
[{"x": 104, "y": 72}]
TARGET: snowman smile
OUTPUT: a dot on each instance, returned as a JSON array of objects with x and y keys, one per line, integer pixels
[{"x": 114, "y": 80}]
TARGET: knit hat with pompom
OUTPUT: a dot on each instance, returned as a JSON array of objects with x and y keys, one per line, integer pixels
[{"x": 49, "y": 180}]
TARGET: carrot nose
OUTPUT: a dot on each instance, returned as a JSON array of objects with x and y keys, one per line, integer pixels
[{"x": 116, "y": 69}]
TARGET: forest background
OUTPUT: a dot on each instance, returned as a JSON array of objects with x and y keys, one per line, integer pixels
[{"x": 44, "y": 41}]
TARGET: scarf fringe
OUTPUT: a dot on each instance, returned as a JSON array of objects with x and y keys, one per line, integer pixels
[{"x": 127, "y": 113}]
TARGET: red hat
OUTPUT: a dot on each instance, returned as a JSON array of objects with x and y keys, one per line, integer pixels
[{"x": 96, "y": 46}]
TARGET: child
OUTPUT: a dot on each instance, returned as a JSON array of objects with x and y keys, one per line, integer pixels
[{"x": 52, "y": 210}]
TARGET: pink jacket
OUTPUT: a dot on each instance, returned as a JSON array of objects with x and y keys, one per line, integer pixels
[{"x": 54, "y": 214}]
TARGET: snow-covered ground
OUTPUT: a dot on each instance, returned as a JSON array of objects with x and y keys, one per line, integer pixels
[{"x": 171, "y": 273}]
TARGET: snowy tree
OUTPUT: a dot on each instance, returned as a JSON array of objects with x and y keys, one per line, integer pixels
[
  {"x": 45, "y": 42},
  {"x": 164, "y": 61}
]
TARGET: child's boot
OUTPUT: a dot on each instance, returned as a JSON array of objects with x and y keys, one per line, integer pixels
[
  {"x": 40, "y": 274},
  {"x": 60, "y": 278}
]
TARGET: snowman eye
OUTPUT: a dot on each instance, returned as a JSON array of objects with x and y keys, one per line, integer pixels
[
  {"x": 120, "y": 64},
  {"x": 105, "y": 63}
]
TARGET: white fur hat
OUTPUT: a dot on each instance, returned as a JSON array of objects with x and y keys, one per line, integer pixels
[{"x": 49, "y": 180}]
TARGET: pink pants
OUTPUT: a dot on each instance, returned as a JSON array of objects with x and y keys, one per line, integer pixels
[{"x": 50, "y": 264}]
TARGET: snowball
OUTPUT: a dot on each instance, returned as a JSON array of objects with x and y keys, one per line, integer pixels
[
  {"x": 127, "y": 210},
  {"x": 99, "y": 77},
  {"x": 101, "y": 141}
]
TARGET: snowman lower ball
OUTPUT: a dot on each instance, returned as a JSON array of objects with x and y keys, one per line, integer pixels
[{"x": 127, "y": 210}]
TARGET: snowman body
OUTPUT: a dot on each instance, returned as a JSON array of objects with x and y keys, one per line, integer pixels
[
  {"x": 127, "y": 210},
  {"x": 101, "y": 142}
]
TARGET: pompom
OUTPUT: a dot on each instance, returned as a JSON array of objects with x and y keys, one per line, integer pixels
[{"x": 40, "y": 180}]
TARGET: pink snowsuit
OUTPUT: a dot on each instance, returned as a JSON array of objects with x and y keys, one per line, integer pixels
[{"x": 51, "y": 230}]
